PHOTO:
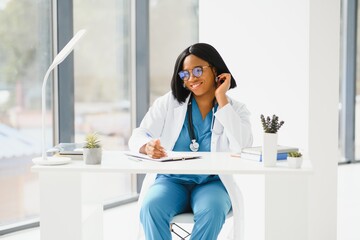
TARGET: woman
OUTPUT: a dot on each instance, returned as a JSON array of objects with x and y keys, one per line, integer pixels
[{"x": 195, "y": 116}]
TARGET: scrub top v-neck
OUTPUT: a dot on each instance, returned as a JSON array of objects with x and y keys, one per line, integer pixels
[{"x": 202, "y": 131}]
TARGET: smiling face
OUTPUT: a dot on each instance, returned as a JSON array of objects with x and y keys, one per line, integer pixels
[{"x": 201, "y": 85}]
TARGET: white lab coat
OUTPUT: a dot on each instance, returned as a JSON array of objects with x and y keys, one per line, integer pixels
[{"x": 164, "y": 120}]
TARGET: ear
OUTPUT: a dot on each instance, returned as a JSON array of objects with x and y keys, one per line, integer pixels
[{"x": 215, "y": 73}]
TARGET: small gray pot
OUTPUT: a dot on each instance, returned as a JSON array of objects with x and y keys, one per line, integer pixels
[{"x": 92, "y": 156}]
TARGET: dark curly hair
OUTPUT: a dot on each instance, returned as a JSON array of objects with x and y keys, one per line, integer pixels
[{"x": 207, "y": 53}]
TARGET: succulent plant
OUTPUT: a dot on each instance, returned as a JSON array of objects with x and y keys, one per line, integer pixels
[
  {"x": 294, "y": 154},
  {"x": 92, "y": 141},
  {"x": 271, "y": 125}
]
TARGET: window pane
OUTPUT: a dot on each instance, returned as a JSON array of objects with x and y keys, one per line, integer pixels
[
  {"x": 173, "y": 27},
  {"x": 357, "y": 94},
  {"x": 24, "y": 58},
  {"x": 102, "y": 77}
]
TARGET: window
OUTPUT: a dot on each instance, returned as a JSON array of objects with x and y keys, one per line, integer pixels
[
  {"x": 350, "y": 85},
  {"x": 102, "y": 81},
  {"x": 170, "y": 34},
  {"x": 24, "y": 58},
  {"x": 102, "y": 77},
  {"x": 357, "y": 88}
]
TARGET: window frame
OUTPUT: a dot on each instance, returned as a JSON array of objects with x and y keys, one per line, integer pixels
[{"x": 348, "y": 81}]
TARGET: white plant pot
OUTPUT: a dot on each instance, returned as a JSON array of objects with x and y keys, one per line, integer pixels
[
  {"x": 294, "y": 162},
  {"x": 269, "y": 149},
  {"x": 92, "y": 156}
]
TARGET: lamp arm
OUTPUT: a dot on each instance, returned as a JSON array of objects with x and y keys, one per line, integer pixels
[{"x": 43, "y": 110}]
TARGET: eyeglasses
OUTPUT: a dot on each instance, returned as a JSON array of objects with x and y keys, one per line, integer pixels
[{"x": 196, "y": 71}]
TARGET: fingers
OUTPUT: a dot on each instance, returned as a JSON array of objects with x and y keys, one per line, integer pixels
[
  {"x": 224, "y": 79},
  {"x": 154, "y": 149},
  {"x": 223, "y": 85}
]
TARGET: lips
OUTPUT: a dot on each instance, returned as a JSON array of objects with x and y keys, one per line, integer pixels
[{"x": 196, "y": 85}]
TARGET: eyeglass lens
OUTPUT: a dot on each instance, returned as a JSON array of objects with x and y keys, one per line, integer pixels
[{"x": 185, "y": 74}]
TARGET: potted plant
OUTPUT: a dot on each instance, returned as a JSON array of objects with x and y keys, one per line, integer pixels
[
  {"x": 269, "y": 148},
  {"x": 294, "y": 159},
  {"x": 92, "y": 149}
]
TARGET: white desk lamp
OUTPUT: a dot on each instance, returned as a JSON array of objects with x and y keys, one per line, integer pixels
[{"x": 44, "y": 160}]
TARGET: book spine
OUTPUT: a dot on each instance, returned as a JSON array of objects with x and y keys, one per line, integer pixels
[
  {"x": 280, "y": 156},
  {"x": 256, "y": 157}
]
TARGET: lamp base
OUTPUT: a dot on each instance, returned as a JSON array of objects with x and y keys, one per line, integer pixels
[{"x": 51, "y": 160}]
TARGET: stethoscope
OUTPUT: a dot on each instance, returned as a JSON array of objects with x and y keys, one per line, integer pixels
[{"x": 194, "y": 145}]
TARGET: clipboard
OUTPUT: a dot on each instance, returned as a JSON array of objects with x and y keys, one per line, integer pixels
[{"x": 172, "y": 156}]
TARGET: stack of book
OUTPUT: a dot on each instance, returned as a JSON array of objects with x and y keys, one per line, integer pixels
[
  {"x": 72, "y": 150},
  {"x": 255, "y": 153}
]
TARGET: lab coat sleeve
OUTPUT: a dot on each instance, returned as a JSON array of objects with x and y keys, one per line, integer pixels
[
  {"x": 237, "y": 128},
  {"x": 152, "y": 124}
]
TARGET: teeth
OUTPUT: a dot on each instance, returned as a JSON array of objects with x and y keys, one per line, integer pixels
[{"x": 196, "y": 85}]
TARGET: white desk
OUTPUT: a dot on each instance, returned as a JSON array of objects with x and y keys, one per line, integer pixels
[{"x": 71, "y": 208}]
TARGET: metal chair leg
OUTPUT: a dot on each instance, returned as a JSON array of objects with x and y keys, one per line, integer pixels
[{"x": 177, "y": 234}]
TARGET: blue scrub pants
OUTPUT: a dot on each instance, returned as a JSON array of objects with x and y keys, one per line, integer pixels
[{"x": 209, "y": 202}]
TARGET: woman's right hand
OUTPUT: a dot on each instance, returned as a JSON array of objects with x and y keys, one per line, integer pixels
[{"x": 153, "y": 149}]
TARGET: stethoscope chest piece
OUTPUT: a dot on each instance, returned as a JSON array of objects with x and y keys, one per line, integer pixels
[{"x": 194, "y": 146}]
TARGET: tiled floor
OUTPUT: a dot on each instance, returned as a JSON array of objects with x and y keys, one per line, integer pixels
[{"x": 119, "y": 226}]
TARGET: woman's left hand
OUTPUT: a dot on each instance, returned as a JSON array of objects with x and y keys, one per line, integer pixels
[{"x": 222, "y": 86}]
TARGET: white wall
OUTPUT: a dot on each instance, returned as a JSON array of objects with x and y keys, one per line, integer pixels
[
  {"x": 284, "y": 56},
  {"x": 265, "y": 44},
  {"x": 323, "y": 116}
]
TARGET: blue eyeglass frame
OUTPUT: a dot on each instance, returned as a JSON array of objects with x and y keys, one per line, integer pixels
[{"x": 196, "y": 71}]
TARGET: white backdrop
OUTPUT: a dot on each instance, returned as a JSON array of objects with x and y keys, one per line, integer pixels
[{"x": 265, "y": 45}]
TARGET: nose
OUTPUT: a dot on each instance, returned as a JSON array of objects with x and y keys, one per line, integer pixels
[{"x": 192, "y": 76}]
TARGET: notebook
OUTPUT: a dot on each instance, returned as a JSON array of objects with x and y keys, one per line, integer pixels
[
  {"x": 67, "y": 149},
  {"x": 258, "y": 150},
  {"x": 172, "y": 156}
]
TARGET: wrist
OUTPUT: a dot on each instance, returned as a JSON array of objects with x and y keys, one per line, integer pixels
[
  {"x": 222, "y": 100},
  {"x": 143, "y": 149}
]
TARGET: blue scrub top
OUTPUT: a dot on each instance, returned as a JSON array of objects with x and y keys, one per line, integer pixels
[{"x": 202, "y": 130}]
